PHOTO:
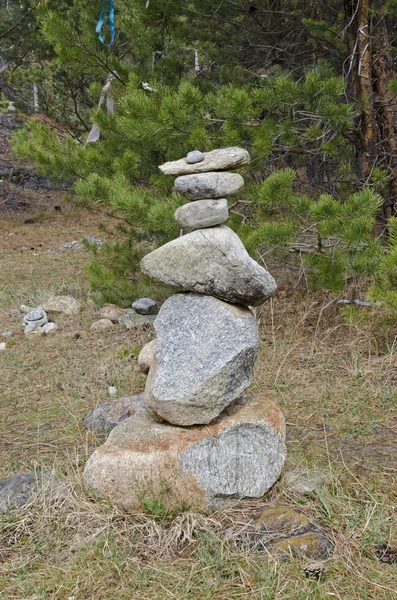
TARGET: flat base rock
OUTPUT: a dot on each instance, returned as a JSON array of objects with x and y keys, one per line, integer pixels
[
  {"x": 211, "y": 261},
  {"x": 284, "y": 532},
  {"x": 22, "y": 488},
  {"x": 240, "y": 455},
  {"x": 204, "y": 358},
  {"x": 106, "y": 416}
]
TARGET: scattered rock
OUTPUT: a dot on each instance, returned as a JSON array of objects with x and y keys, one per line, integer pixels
[
  {"x": 3, "y": 346},
  {"x": 112, "y": 312},
  {"x": 386, "y": 554},
  {"x": 112, "y": 390},
  {"x": 7, "y": 334},
  {"x": 204, "y": 358},
  {"x": 211, "y": 261},
  {"x": 202, "y": 213},
  {"x": 35, "y": 318},
  {"x": 314, "y": 568},
  {"x": 284, "y": 532},
  {"x": 14, "y": 312},
  {"x": 132, "y": 320},
  {"x": 102, "y": 325},
  {"x": 216, "y": 160},
  {"x": 32, "y": 331},
  {"x": 209, "y": 185},
  {"x": 50, "y": 328},
  {"x": 75, "y": 245},
  {"x": 304, "y": 481},
  {"x": 25, "y": 309},
  {"x": 146, "y": 357},
  {"x": 240, "y": 455},
  {"x": 63, "y": 304},
  {"x": 194, "y": 157},
  {"x": 145, "y": 306},
  {"x": 21, "y": 488},
  {"x": 106, "y": 416}
]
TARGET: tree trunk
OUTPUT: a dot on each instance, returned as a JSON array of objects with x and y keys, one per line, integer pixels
[{"x": 370, "y": 68}]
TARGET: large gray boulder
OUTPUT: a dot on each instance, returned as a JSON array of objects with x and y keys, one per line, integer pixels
[
  {"x": 217, "y": 160},
  {"x": 202, "y": 213},
  {"x": 204, "y": 358},
  {"x": 209, "y": 185},
  {"x": 211, "y": 261},
  {"x": 239, "y": 456}
]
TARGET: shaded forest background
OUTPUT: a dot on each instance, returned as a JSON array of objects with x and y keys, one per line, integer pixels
[{"x": 309, "y": 88}]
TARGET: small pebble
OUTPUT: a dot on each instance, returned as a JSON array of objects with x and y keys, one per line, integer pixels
[
  {"x": 3, "y": 346},
  {"x": 25, "y": 309},
  {"x": 7, "y": 334},
  {"x": 194, "y": 157},
  {"x": 145, "y": 306},
  {"x": 112, "y": 390},
  {"x": 50, "y": 328}
]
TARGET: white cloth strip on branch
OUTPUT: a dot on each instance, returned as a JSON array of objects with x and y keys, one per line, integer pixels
[{"x": 95, "y": 132}]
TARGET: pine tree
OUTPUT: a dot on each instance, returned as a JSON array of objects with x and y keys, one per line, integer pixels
[{"x": 267, "y": 79}]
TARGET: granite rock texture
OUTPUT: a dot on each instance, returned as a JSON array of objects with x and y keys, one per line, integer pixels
[
  {"x": 202, "y": 213},
  {"x": 204, "y": 358},
  {"x": 239, "y": 456},
  {"x": 216, "y": 160},
  {"x": 211, "y": 261},
  {"x": 209, "y": 185}
]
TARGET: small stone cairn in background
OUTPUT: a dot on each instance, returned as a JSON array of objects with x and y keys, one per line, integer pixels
[{"x": 200, "y": 439}]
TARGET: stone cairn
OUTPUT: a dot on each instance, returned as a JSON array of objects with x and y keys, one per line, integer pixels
[{"x": 196, "y": 438}]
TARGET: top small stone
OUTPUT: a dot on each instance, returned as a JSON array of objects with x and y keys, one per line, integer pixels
[
  {"x": 194, "y": 157},
  {"x": 221, "y": 159}
]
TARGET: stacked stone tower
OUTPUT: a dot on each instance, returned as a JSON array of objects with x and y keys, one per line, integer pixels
[{"x": 198, "y": 439}]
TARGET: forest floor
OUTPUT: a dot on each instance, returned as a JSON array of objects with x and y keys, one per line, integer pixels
[{"x": 335, "y": 381}]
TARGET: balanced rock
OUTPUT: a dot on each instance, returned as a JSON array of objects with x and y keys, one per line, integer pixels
[
  {"x": 105, "y": 417},
  {"x": 35, "y": 318},
  {"x": 146, "y": 357},
  {"x": 202, "y": 213},
  {"x": 204, "y": 358},
  {"x": 211, "y": 261},
  {"x": 145, "y": 306},
  {"x": 209, "y": 185},
  {"x": 239, "y": 456},
  {"x": 216, "y": 160}
]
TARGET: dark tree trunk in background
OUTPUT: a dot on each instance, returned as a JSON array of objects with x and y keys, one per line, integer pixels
[{"x": 370, "y": 67}]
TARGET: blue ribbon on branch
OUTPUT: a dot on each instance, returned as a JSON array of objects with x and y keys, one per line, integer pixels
[{"x": 107, "y": 8}]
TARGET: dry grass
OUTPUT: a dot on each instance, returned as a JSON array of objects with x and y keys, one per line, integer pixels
[{"x": 335, "y": 382}]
